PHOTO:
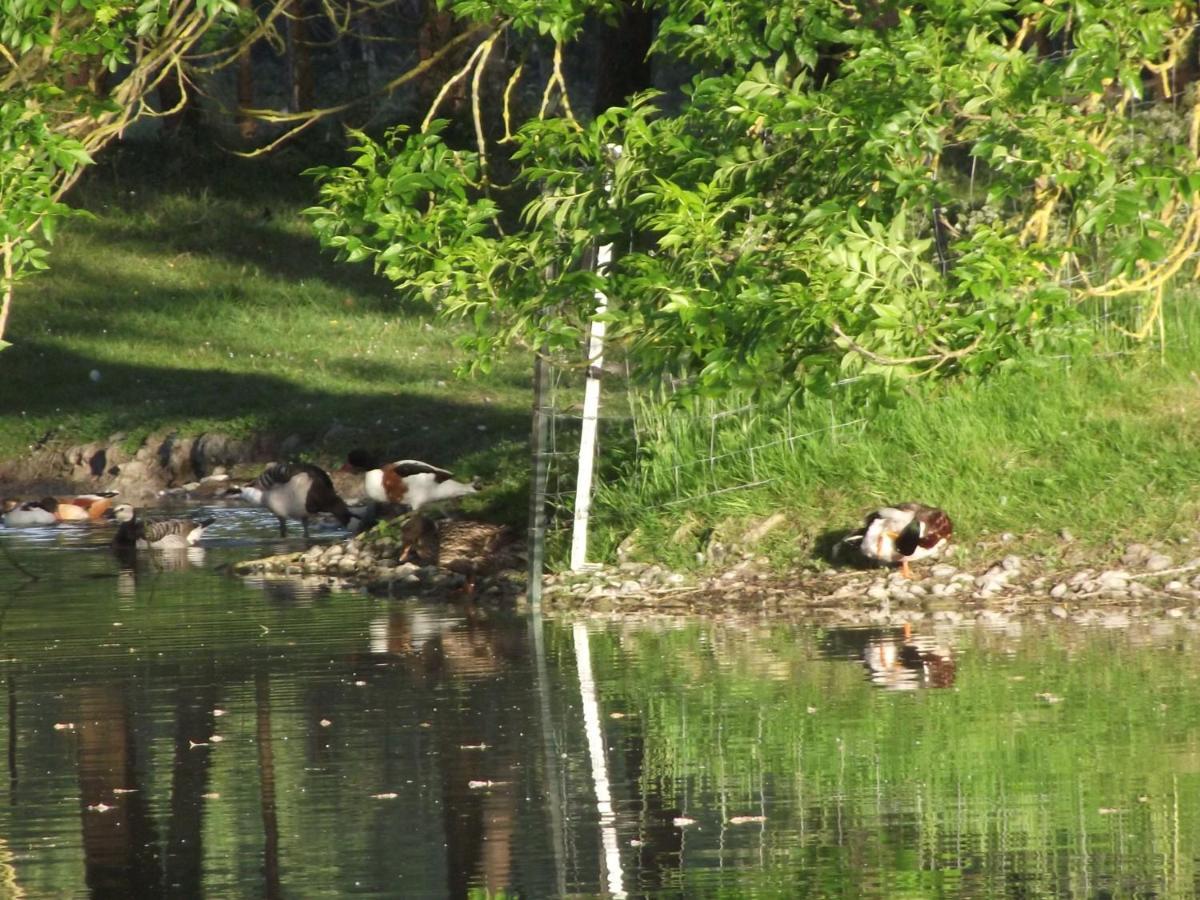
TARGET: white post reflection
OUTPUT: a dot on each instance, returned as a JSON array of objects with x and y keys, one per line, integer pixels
[{"x": 595, "y": 740}]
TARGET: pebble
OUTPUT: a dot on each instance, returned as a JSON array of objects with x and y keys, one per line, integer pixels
[
  {"x": 1059, "y": 590},
  {"x": 1159, "y": 561}
]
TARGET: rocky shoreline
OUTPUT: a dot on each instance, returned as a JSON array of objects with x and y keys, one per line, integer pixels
[{"x": 1149, "y": 584}]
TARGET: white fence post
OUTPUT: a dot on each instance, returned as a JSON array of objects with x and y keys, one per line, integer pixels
[{"x": 591, "y": 406}]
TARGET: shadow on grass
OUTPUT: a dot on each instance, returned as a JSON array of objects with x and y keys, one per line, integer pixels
[
  {"x": 239, "y": 213},
  {"x": 139, "y": 399}
]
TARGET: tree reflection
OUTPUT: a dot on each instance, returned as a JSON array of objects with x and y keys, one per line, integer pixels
[{"x": 119, "y": 840}]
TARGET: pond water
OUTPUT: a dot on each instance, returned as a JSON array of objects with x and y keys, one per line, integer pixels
[{"x": 172, "y": 730}]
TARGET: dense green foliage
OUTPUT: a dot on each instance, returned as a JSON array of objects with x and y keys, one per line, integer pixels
[
  {"x": 72, "y": 76},
  {"x": 872, "y": 189}
]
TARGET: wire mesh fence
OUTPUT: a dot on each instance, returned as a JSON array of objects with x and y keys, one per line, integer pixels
[{"x": 696, "y": 449}]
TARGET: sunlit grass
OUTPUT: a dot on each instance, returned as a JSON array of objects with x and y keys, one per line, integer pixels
[
  {"x": 185, "y": 308},
  {"x": 1104, "y": 448}
]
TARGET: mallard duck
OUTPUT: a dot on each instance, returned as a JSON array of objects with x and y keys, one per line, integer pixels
[
  {"x": 31, "y": 512},
  {"x": 408, "y": 482},
  {"x": 910, "y": 661},
  {"x": 296, "y": 491},
  {"x": 470, "y": 548},
  {"x": 906, "y": 531},
  {"x": 158, "y": 534}
]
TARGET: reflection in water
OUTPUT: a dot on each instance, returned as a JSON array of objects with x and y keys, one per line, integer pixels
[
  {"x": 205, "y": 737},
  {"x": 120, "y": 844},
  {"x": 910, "y": 661}
]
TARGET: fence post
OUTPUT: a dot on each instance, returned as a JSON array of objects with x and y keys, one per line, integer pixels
[
  {"x": 537, "y": 486},
  {"x": 591, "y": 404}
]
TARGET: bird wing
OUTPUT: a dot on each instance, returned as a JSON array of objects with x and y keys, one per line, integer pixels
[{"x": 406, "y": 467}]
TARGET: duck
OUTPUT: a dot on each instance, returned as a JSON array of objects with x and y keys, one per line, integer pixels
[
  {"x": 470, "y": 548},
  {"x": 85, "y": 507},
  {"x": 31, "y": 512},
  {"x": 296, "y": 490},
  {"x": 159, "y": 534},
  {"x": 407, "y": 482},
  {"x": 909, "y": 662},
  {"x": 904, "y": 532}
]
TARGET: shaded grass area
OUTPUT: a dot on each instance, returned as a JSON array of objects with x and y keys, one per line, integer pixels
[
  {"x": 1103, "y": 448},
  {"x": 192, "y": 304}
]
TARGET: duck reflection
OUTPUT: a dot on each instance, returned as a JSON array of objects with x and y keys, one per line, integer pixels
[
  {"x": 909, "y": 661},
  {"x": 132, "y": 565}
]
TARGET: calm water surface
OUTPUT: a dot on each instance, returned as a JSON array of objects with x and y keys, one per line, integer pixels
[{"x": 172, "y": 730}]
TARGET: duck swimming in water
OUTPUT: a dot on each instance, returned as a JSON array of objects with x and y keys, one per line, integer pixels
[{"x": 156, "y": 534}]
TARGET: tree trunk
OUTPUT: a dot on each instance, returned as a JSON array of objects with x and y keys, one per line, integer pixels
[
  {"x": 247, "y": 126},
  {"x": 299, "y": 60},
  {"x": 623, "y": 60}
]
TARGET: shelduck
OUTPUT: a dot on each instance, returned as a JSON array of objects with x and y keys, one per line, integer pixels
[
  {"x": 904, "y": 532},
  {"x": 85, "y": 507},
  {"x": 296, "y": 491},
  {"x": 407, "y": 482},
  {"x": 31, "y": 512},
  {"x": 156, "y": 534}
]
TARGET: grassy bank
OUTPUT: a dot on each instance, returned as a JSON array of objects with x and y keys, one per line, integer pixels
[
  {"x": 204, "y": 303},
  {"x": 1103, "y": 449}
]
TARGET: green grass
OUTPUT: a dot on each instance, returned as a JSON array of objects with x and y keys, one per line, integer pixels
[
  {"x": 213, "y": 308},
  {"x": 204, "y": 303},
  {"x": 1104, "y": 447}
]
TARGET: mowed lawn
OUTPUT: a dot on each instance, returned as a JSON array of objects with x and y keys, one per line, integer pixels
[{"x": 198, "y": 299}]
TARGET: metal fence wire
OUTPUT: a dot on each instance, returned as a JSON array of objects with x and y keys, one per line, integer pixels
[{"x": 633, "y": 420}]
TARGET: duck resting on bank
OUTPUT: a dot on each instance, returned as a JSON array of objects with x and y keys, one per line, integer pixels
[
  {"x": 296, "y": 491},
  {"x": 406, "y": 482},
  {"x": 156, "y": 534},
  {"x": 472, "y": 549},
  {"x": 904, "y": 532}
]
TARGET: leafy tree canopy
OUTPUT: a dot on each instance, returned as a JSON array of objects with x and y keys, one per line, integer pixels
[
  {"x": 73, "y": 74},
  {"x": 890, "y": 189}
]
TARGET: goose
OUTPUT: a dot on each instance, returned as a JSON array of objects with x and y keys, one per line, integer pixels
[
  {"x": 906, "y": 531},
  {"x": 158, "y": 534},
  {"x": 31, "y": 512},
  {"x": 470, "y": 548},
  {"x": 296, "y": 491},
  {"x": 408, "y": 482}
]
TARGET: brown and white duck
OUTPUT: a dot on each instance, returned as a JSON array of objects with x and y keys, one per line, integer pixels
[
  {"x": 85, "y": 507},
  {"x": 407, "y": 482},
  {"x": 904, "y": 532},
  {"x": 472, "y": 549},
  {"x": 52, "y": 510},
  {"x": 18, "y": 514}
]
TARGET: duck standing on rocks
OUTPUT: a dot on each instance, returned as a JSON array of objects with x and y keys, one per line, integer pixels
[
  {"x": 906, "y": 531},
  {"x": 159, "y": 534},
  {"x": 296, "y": 491},
  {"x": 31, "y": 512},
  {"x": 471, "y": 549},
  {"x": 407, "y": 482}
]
